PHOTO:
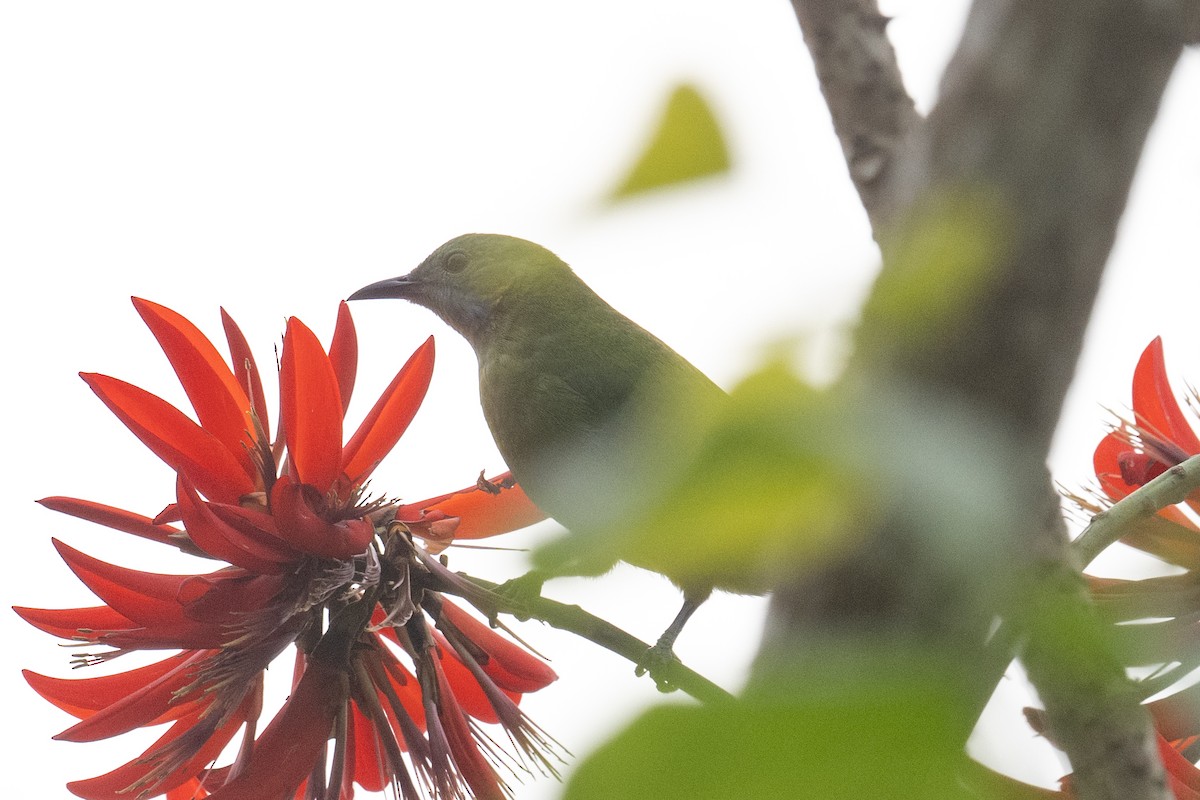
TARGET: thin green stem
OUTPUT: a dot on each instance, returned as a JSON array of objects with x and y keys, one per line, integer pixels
[
  {"x": 1172, "y": 487},
  {"x": 573, "y": 619}
]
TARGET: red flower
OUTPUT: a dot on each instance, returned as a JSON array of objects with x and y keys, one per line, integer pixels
[
  {"x": 387, "y": 671},
  {"x": 1166, "y": 608},
  {"x": 1157, "y": 438}
]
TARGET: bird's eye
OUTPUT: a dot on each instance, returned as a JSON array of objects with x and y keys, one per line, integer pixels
[{"x": 455, "y": 262}]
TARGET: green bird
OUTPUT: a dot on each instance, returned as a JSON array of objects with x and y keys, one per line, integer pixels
[{"x": 594, "y": 415}]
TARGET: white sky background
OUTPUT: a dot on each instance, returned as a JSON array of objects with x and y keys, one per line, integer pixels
[{"x": 273, "y": 157}]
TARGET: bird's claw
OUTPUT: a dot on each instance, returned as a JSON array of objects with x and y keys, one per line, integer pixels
[
  {"x": 516, "y": 594},
  {"x": 660, "y": 662}
]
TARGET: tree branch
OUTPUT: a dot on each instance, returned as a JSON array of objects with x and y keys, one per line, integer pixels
[
  {"x": 1006, "y": 200},
  {"x": 860, "y": 79},
  {"x": 1046, "y": 107}
]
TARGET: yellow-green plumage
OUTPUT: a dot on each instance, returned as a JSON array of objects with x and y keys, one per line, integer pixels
[{"x": 591, "y": 412}]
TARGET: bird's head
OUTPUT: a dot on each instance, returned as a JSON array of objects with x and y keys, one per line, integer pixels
[{"x": 465, "y": 279}]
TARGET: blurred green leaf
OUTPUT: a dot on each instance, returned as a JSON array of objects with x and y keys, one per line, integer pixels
[
  {"x": 869, "y": 728},
  {"x": 686, "y": 145},
  {"x": 784, "y": 478},
  {"x": 763, "y": 490},
  {"x": 940, "y": 257}
]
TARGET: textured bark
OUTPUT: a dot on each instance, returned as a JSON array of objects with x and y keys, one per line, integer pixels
[
  {"x": 1034, "y": 142},
  {"x": 871, "y": 111},
  {"x": 1046, "y": 105}
]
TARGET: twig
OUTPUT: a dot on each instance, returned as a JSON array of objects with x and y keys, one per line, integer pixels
[
  {"x": 573, "y": 619},
  {"x": 1106, "y": 527},
  {"x": 860, "y": 79}
]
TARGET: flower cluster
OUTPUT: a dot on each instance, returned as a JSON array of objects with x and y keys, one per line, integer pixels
[
  {"x": 1165, "y": 606},
  {"x": 391, "y": 681}
]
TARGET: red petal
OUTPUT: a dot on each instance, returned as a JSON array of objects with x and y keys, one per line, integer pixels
[
  {"x": 83, "y": 697},
  {"x": 287, "y": 750},
  {"x": 110, "y": 517},
  {"x": 1183, "y": 775},
  {"x": 370, "y": 770},
  {"x": 390, "y": 416},
  {"x": 191, "y": 789},
  {"x": 343, "y": 353},
  {"x": 435, "y": 528},
  {"x": 1107, "y": 463},
  {"x": 509, "y": 665},
  {"x": 245, "y": 370},
  {"x": 220, "y": 402},
  {"x": 483, "y": 513},
  {"x": 467, "y": 691},
  {"x": 176, "y": 439},
  {"x": 115, "y": 785},
  {"x": 1154, "y": 403},
  {"x": 475, "y": 769},
  {"x": 312, "y": 408},
  {"x": 253, "y": 547},
  {"x": 153, "y": 702},
  {"x": 147, "y": 598},
  {"x": 68, "y": 623},
  {"x": 403, "y": 682},
  {"x": 305, "y": 530},
  {"x": 226, "y": 597}
]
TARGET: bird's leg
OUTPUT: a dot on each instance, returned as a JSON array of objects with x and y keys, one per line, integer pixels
[
  {"x": 518, "y": 591},
  {"x": 660, "y": 658}
]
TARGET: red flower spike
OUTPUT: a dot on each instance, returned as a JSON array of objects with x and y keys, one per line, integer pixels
[
  {"x": 1154, "y": 403},
  {"x": 512, "y": 667},
  {"x": 284, "y": 753},
  {"x": 312, "y": 408},
  {"x": 185, "y": 446},
  {"x": 343, "y": 353},
  {"x": 391, "y": 415},
  {"x": 304, "y": 563},
  {"x": 115, "y": 518},
  {"x": 220, "y": 402},
  {"x": 244, "y": 368}
]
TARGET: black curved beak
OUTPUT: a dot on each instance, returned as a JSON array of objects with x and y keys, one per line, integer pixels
[{"x": 391, "y": 288}]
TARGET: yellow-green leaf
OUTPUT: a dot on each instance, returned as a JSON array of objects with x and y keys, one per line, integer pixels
[{"x": 687, "y": 144}]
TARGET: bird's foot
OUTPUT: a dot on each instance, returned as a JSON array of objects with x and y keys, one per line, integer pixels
[
  {"x": 516, "y": 594},
  {"x": 660, "y": 662}
]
